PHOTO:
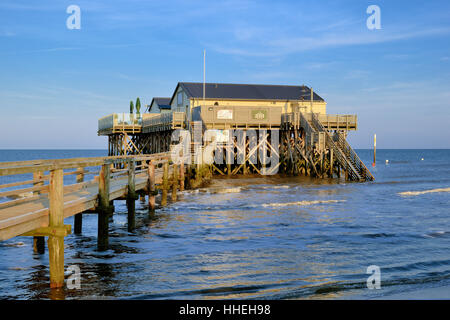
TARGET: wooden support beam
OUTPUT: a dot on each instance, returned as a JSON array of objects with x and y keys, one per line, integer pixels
[
  {"x": 182, "y": 176},
  {"x": 49, "y": 231},
  {"x": 38, "y": 242},
  {"x": 104, "y": 210},
  {"x": 165, "y": 183},
  {"x": 131, "y": 195},
  {"x": 56, "y": 219},
  {"x": 175, "y": 182},
  {"x": 39, "y": 245},
  {"x": 151, "y": 186},
  {"x": 78, "y": 219},
  {"x": 331, "y": 162}
]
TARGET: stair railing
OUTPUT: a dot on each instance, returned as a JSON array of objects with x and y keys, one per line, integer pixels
[
  {"x": 351, "y": 154},
  {"x": 341, "y": 155}
]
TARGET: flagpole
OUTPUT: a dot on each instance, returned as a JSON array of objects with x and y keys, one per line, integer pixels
[{"x": 204, "y": 75}]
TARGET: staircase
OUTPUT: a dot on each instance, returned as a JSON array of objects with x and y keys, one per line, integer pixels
[{"x": 343, "y": 152}]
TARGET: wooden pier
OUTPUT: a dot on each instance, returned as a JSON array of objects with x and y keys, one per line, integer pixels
[
  {"x": 37, "y": 207},
  {"x": 304, "y": 143}
]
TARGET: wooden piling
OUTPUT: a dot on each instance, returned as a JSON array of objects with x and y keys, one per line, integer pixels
[
  {"x": 131, "y": 195},
  {"x": 39, "y": 245},
  {"x": 165, "y": 183},
  {"x": 374, "y": 150},
  {"x": 103, "y": 208},
  {"x": 38, "y": 242},
  {"x": 331, "y": 163},
  {"x": 175, "y": 182},
  {"x": 182, "y": 177},
  {"x": 151, "y": 186},
  {"x": 78, "y": 218},
  {"x": 56, "y": 220},
  {"x": 188, "y": 184}
]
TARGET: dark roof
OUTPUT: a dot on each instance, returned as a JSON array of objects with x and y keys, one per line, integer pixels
[
  {"x": 162, "y": 102},
  {"x": 247, "y": 91}
]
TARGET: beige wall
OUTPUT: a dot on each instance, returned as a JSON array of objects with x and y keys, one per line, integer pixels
[{"x": 286, "y": 106}]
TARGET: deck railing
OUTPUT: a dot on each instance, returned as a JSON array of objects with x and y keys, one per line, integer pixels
[
  {"x": 124, "y": 121},
  {"x": 163, "y": 121}
]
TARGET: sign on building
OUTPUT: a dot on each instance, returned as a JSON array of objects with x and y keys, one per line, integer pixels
[
  {"x": 259, "y": 114},
  {"x": 225, "y": 114}
]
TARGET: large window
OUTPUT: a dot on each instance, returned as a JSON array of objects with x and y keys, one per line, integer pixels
[{"x": 180, "y": 98}]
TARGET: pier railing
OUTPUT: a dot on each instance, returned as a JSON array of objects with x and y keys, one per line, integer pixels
[{"x": 37, "y": 197}]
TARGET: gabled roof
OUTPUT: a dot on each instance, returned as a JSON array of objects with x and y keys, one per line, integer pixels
[
  {"x": 162, "y": 102},
  {"x": 246, "y": 91}
]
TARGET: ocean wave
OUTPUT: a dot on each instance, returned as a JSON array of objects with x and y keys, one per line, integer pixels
[
  {"x": 416, "y": 193},
  {"x": 226, "y": 190},
  {"x": 301, "y": 203},
  {"x": 437, "y": 234},
  {"x": 276, "y": 187}
]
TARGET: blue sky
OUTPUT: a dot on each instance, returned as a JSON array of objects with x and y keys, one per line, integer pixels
[{"x": 55, "y": 83}]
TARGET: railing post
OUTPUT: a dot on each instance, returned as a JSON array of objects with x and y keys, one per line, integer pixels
[
  {"x": 38, "y": 242},
  {"x": 165, "y": 183},
  {"x": 175, "y": 182},
  {"x": 131, "y": 194},
  {"x": 104, "y": 209},
  {"x": 56, "y": 219},
  {"x": 78, "y": 219},
  {"x": 151, "y": 186}
]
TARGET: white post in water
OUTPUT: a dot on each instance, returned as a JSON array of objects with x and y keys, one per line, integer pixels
[{"x": 374, "y": 150}]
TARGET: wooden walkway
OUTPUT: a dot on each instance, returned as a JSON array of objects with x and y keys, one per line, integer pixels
[{"x": 39, "y": 206}]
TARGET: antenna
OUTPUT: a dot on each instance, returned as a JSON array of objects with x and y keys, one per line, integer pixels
[{"x": 204, "y": 74}]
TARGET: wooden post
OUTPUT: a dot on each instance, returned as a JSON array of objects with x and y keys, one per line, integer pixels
[
  {"x": 182, "y": 176},
  {"x": 374, "y": 150},
  {"x": 131, "y": 195},
  {"x": 165, "y": 183},
  {"x": 104, "y": 209},
  {"x": 56, "y": 219},
  {"x": 151, "y": 186},
  {"x": 322, "y": 155},
  {"x": 175, "y": 182},
  {"x": 78, "y": 219},
  {"x": 189, "y": 176},
  {"x": 39, "y": 245},
  {"x": 331, "y": 163},
  {"x": 38, "y": 242}
]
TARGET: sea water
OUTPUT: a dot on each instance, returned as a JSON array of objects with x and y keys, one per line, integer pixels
[{"x": 265, "y": 237}]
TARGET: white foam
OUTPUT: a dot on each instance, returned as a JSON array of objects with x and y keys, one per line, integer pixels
[
  {"x": 301, "y": 203},
  {"x": 226, "y": 190},
  {"x": 416, "y": 193}
]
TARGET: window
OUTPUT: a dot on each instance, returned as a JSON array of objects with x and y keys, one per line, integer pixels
[{"x": 180, "y": 98}]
